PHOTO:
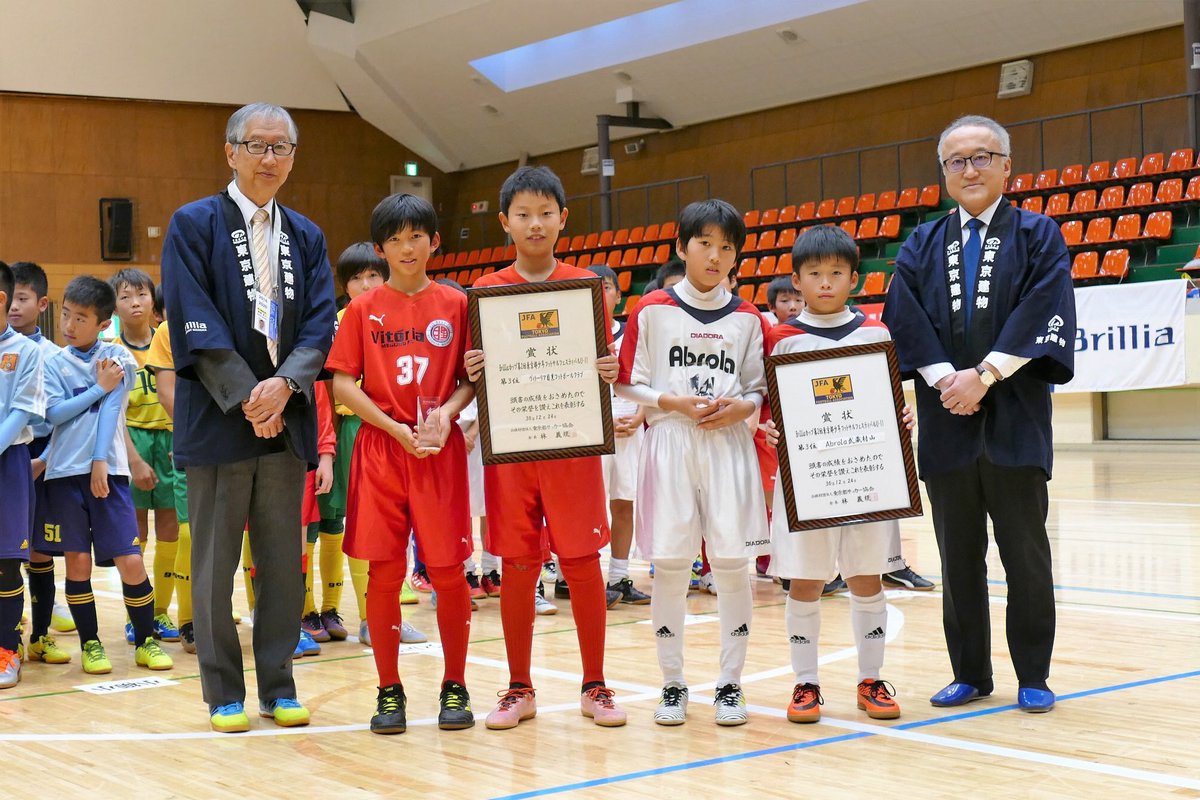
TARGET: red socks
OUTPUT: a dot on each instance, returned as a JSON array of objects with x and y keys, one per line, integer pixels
[
  {"x": 454, "y": 618},
  {"x": 521, "y": 576},
  {"x": 589, "y": 607},
  {"x": 383, "y": 616}
]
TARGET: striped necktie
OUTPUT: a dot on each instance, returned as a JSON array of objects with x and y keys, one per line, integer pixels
[{"x": 264, "y": 275}]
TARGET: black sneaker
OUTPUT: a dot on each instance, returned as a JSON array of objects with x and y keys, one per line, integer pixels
[
  {"x": 629, "y": 592},
  {"x": 389, "y": 710},
  {"x": 561, "y": 590},
  {"x": 907, "y": 579},
  {"x": 612, "y": 598},
  {"x": 835, "y": 586},
  {"x": 187, "y": 635},
  {"x": 456, "y": 711}
]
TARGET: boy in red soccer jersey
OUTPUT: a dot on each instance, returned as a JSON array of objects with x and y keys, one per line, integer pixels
[
  {"x": 567, "y": 493},
  {"x": 405, "y": 340}
]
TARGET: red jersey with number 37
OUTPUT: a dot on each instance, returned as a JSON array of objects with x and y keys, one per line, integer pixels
[{"x": 403, "y": 347}]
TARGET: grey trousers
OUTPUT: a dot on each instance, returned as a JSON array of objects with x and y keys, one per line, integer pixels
[{"x": 268, "y": 492}]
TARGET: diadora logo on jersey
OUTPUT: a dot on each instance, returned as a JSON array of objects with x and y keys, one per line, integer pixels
[
  {"x": 397, "y": 338},
  {"x": 875, "y": 634},
  {"x": 440, "y": 333},
  {"x": 708, "y": 336},
  {"x": 378, "y": 319},
  {"x": 744, "y": 630},
  {"x": 684, "y": 357},
  {"x": 832, "y": 389},
  {"x": 664, "y": 633},
  {"x": 8, "y": 362}
]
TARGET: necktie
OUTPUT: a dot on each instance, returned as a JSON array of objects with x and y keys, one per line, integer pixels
[
  {"x": 971, "y": 264},
  {"x": 265, "y": 276}
]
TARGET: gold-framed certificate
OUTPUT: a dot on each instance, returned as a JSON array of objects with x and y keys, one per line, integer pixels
[
  {"x": 845, "y": 456},
  {"x": 540, "y": 395}
]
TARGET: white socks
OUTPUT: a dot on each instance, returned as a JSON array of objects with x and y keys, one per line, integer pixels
[
  {"x": 618, "y": 568},
  {"x": 804, "y": 631},
  {"x": 668, "y": 607},
  {"x": 735, "y": 604},
  {"x": 488, "y": 562},
  {"x": 868, "y": 619}
]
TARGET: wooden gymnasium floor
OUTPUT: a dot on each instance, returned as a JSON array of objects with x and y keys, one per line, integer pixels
[{"x": 1125, "y": 525}]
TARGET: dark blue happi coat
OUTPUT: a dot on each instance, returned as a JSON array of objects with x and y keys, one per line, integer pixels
[
  {"x": 210, "y": 309},
  {"x": 1024, "y": 305}
]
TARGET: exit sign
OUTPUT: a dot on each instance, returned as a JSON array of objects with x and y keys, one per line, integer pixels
[{"x": 410, "y": 169}]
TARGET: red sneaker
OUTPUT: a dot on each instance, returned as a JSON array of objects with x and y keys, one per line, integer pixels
[
  {"x": 491, "y": 583},
  {"x": 806, "y": 703},
  {"x": 477, "y": 592},
  {"x": 597, "y": 703},
  {"x": 877, "y": 699},
  {"x": 420, "y": 582},
  {"x": 515, "y": 706}
]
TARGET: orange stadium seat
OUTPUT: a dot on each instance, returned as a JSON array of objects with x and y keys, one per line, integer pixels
[
  {"x": 1099, "y": 229},
  {"x": 1097, "y": 171},
  {"x": 606, "y": 239},
  {"x": 630, "y": 303},
  {"x": 766, "y": 240},
  {"x": 475, "y": 275},
  {"x": 462, "y": 258},
  {"x": 614, "y": 259},
  {"x": 1127, "y": 227},
  {"x": 636, "y": 235},
  {"x": 1152, "y": 164},
  {"x": 569, "y": 260},
  {"x": 1158, "y": 226},
  {"x": 1071, "y": 175},
  {"x": 890, "y": 227},
  {"x": 826, "y": 208},
  {"x": 473, "y": 258},
  {"x": 1021, "y": 183},
  {"x": 564, "y": 244},
  {"x": 1058, "y": 204},
  {"x": 760, "y": 296},
  {"x": 908, "y": 197},
  {"x": 869, "y": 229},
  {"x": 624, "y": 280},
  {"x": 666, "y": 230},
  {"x": 663, "y": 254},
  {"x": 746, "y": 292},
  {"x": 748, "y": 268},
  {"x": 1116, "y": 264},
  {"x": 1125, "y": 168},
  {"x": 784, "y": 265},
  {"x": 646, "y": 256},
  {"x": 873, "y": 285},
  {"x": 436, "y": 262},
  {"x": 751, "y": 243},
  {"x": 850, "y": 226},
  {"x": 1085, "y": 265},
  {"x": 577, "y": 242},
  {"x": 510, "y": 253},
  {"x": 1180, "y": 160},
  {"x": 1033, "y": 203},
  {"x": 621, "y": 237},
  {"x": 750, "y": 218},
  {"x": 584, "y": 261},
  {"x": 845, "y": 206},
  {"x": 630, "y": 258},
  {"x": 766, "y": 266},
  {"x": 787, "y": 238},
  {"x": 769, "y": 217},
  {"x": 591, "y": 241},
  {"x": 1112, "y": 197},
  {"x": 806, "y": 211},
  {"x": 1193, "y": 190},
  {"x": 651, "y": 234},
  {"x": 1072, "y": 232},
  {"x": 787, "y": 214},
  {"x": 886, "y": 201},
  {"x": 1084, "y": 201},
  {"x": 1141, "y": 193},
  {"x": 931, "y": 195},
  {"x": 865, "y": 204},
  {"x": 1169, "y": 191},
  {"x": 1046, "y": 179}
]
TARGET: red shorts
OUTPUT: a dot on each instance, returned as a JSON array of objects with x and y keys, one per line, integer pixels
[
  {"x": 567, "y": 493},
  {"x": 392, "y": 493},
  {"x": 309, "y": 511},
  {"x": 768, "y": 463}
]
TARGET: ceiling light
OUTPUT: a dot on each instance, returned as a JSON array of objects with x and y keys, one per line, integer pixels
[{"x": 788, "y": 35}]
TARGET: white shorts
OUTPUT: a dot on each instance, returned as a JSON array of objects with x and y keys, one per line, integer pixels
[
  {"x": 621, "y": 468},
  {"x": 695, "y": 485},
  {"x": 818, "y": 555},
  {"x": 475, "y": 480}
]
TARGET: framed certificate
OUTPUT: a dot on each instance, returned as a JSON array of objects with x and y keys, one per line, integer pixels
[
  {"x": 540, "y": 395},
  {"x": 844, "y": 455}
]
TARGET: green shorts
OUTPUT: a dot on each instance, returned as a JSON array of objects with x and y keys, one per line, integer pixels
[
  {"x": 333, "y": 504},
  {"x": 180, "y": 481},
  {"x": 154, "y": 446}
]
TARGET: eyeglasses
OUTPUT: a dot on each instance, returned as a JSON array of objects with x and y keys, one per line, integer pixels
[
  {"x": 980, "y": 161},
  {"x": 280, "y": 149}
]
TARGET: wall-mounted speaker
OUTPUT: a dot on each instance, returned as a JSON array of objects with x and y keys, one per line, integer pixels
[{"x": 116, "y": 229}]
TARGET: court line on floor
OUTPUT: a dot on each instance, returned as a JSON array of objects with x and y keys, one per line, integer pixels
[
  {"x": 862, "y": 730},
  {"x": 1058, "y": 587},
  {"x": 1123, "y": 502}
]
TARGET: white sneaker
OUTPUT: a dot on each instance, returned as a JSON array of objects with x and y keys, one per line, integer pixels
[
  {"x": 10, "y": 668},
  {"x": 731, "y": 705},
  {"x": 549, "y": 572},
  {"x": 541, "y": 605},
  {"x": 707, "y": 584},
  {"x": 410, "y": 635},
  {"x": 672, "y": 706},
  {"x": 364, "y": 633}
]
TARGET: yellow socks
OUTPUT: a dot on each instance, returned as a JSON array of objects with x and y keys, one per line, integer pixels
[
  {"x": 358, "y": 576},
  {"x": 333, "y": 570},
  {"x": 183, "y": 573},
  {"x": 164, "y": 574}
]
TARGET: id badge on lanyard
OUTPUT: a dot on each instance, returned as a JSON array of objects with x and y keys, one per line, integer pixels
[{"x": 266, "y": 316}]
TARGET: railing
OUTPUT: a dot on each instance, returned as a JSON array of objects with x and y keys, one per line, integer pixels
[
  {"x": 632, "y": 205},
  {"x": 1073, "y": 138}
]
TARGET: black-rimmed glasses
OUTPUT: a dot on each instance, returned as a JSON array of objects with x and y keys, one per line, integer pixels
[
  {"x": 979, "y": 161},
  {"x": 280, "y": 149}
]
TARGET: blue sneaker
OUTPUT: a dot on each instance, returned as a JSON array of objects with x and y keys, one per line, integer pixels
[
  {"x": 164, "y": 629},
  {"x": 957, "y": 694},
  {"x": 1035, "y": 701},
  {"x": 307, "y": 646},
  {"x": 129, "y": 637}
]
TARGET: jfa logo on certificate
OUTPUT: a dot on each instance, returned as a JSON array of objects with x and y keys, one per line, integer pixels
[
  {"x": 832, "y": 389},
  {"x": 535, "y": 324}
]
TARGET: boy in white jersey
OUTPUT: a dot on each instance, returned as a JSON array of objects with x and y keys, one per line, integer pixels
[
  {"x": 88, "y": 497},
  {"x": 620, "y": 469},
  {"x": 22, "y": 401},
  {"x": 825, "y": 264},
  {"x": 693, "y": 356}
]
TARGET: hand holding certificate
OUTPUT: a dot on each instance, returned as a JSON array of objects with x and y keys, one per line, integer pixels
[
  {"x": 541, "y": 395},
  {"x": 845, "y": 455}
]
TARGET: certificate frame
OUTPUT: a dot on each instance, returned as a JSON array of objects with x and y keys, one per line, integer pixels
[
  {"x": 808, "y": 372},
  {"x": 488, "y": 313}
]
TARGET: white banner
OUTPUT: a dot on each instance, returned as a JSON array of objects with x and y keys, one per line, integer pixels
[{"x": 1128, "y": 336}]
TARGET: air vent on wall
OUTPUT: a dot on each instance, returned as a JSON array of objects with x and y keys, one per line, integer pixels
[{"x": 1016, "y": 79}]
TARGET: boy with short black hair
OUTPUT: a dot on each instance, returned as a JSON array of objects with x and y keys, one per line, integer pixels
[
  {"x": 783, "y": 301},
  {"x": 669, "y": 274},
  {"x": 567, "y": 494},
  {"x": 30, "y": 299},
  {"x": 398, "y": 480},
  {"x": 825, "y": 265},
  {"x": 620, "y": 469},
  {"x": 149, "y": 444},
  {"x": 693, "y": 356},
  {"x": 22, "y": 401},
  {"x": 87, "y": 471}
]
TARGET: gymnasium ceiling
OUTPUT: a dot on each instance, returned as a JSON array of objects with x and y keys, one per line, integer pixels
[{"x": 404, "y": 65}]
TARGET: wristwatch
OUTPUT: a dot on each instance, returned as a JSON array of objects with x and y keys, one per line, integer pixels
[
  {"x": 986, "y": 376},
  {"x": 295, "y": 387}
]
